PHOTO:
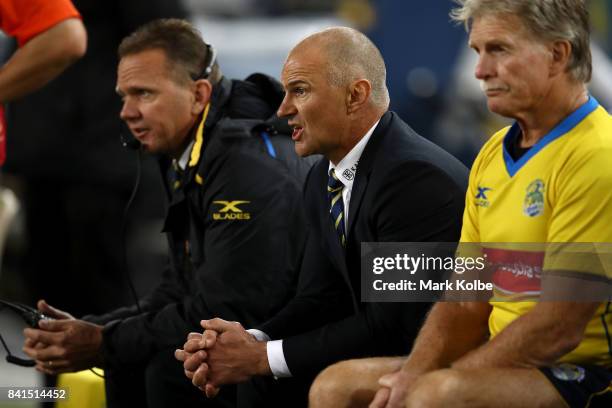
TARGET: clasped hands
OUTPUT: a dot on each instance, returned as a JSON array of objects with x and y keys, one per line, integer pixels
[{"x": 225, "y": 353}]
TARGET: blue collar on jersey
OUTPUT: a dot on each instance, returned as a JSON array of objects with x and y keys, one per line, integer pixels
[{"x": 562, "y": 128}]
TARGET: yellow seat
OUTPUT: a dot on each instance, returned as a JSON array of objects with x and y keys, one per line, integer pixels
[{"x": 85, "y": 390}]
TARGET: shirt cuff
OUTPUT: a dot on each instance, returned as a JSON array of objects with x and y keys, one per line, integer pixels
[
  {"x": 259, "y": 335},
  {"x": 276, "y": 359}
]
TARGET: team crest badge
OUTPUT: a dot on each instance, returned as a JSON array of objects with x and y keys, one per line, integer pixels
[
  {"x": 534, "y": 200},
  {"x": 349, "y": 175}
]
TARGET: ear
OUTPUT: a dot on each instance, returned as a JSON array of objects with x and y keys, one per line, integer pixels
[
  {"x": 202, "y": 92},
  {"x": 358, "y": 95},
  {"x": 561, "y": 54}
]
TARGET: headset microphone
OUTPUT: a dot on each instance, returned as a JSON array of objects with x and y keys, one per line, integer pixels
[
  {"x": 129, "y": 142},
  {"x": 127, "y": 139}
]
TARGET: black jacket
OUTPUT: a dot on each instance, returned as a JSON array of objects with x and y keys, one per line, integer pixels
[
  {"x": 406, "y": 190},
  {"x": 235, "y": 228}
]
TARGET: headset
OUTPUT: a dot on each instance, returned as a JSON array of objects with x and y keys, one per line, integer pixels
[
  {"x": 211, "y": 54},
  {"x": 29, "y": 315}
]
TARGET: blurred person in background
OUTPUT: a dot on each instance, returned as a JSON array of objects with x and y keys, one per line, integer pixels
[{"x": 50, "y": 36}]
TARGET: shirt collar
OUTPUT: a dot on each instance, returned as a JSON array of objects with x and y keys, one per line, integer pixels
[
  {"x": 346, "y": 169},
  {"x": 182, "y": 162}
]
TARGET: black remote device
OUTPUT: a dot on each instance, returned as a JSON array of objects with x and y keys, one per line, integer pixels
[{"x": 30, "y": 315}]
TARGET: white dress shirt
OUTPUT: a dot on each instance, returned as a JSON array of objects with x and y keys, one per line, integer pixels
[
  {"x": 346, "y": 170},
  {"x": 182, "y": 162}
]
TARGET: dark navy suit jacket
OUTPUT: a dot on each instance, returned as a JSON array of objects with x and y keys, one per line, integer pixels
[{"x": 406, "y": 189}]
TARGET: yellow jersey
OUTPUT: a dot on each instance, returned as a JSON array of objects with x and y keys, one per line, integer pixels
[{"x": 559, "y": 191}]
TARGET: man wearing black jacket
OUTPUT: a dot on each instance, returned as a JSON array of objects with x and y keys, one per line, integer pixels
[
  {"x": 234, "y": 222},
  {"x": 379, "y": 181}
]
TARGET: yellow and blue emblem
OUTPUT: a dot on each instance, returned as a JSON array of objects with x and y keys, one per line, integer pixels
[{"x": 534, "y": 199}]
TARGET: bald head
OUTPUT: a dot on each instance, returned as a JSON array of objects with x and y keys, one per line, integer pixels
[{"x": 350, "y": 56}]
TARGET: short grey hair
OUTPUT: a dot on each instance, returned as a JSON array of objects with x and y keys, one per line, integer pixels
[
  {"x": 549, "y": 20},
  {"x": 352, "y": 55}
]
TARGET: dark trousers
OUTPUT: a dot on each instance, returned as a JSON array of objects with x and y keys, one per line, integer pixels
[
  {"x": 159, "y": 383},
  {"x": 266, "y": 392},
  {"x": 162, "y": 383}
]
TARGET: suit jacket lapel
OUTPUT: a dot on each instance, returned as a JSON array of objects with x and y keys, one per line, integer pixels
[{"x": 366, "y": 162}]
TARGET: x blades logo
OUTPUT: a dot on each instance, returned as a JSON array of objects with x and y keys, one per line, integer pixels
[
  {"x": 230, "y": 211},
  {"x": 481, "y": 198}
]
